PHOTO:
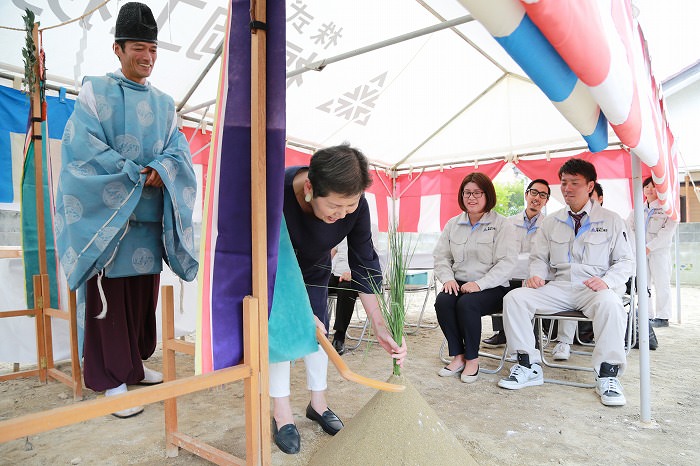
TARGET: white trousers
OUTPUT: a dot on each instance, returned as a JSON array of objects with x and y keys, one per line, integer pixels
[
  {"x": 604, "y": 308},
  {"x": 566, "y": 331},
  {"x": 659, "y": 268},
  {"x": 316, "y": 374}
]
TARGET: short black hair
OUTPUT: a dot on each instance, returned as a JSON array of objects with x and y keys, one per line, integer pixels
[
  {"x": 648, "y": 180},
  {"x": 339, "y": 169},
  {"x": 540, "y": 181},
  {"x": 598, "y": 189},
  {"x": 485, "y": 184},
  {"x": 581, "y": 167}
]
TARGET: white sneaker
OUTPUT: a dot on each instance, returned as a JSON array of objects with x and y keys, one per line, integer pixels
[
  {"x": 521, "y": 377},
  {"x": 610, "y": 391},
  {"x": 124, "y": 413},
  {"x": 151, "y": 377},
  {"x": 561, "y": 351}
]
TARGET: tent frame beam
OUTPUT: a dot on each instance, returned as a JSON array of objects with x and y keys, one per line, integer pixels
[{"x": 319, "y": 65}]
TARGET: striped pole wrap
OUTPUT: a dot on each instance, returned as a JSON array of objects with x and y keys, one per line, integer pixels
[
  {"x": 604, "y": 46},
  {"x": 508, "y": 23}
]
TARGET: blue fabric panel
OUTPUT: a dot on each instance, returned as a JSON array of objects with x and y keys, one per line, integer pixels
[{"x": 14, "y": 118}]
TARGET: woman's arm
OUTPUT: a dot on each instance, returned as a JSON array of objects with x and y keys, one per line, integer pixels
[{"x": 371, "y": 305}]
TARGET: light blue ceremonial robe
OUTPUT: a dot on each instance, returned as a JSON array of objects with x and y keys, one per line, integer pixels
[{"x": 105, "y": 218}]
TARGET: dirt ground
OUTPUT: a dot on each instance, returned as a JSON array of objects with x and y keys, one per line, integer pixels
[{"x": 552, "y": 424}]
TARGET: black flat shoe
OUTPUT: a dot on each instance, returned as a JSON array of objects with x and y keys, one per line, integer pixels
[
  {"x": 287, "y": 438},
  {"x": 339, "y": 346},
  {"x": 330, "y": 423}
]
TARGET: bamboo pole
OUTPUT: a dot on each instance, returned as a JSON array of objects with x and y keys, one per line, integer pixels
[{"x": 258, "y": 128}]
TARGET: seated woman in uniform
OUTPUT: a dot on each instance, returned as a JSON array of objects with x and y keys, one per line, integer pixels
[{"x": 474, "y": 259}]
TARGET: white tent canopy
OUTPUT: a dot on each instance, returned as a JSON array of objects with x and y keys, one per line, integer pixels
[
  {"x": 453, "y": 96},
  {"x": 448, "y": 97}
]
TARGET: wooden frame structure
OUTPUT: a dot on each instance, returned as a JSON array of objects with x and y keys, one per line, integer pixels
[
  {"x": 168, "y": 392},
  {"x": 42, "y": 311},
  {"x": 42, "y": 314},
  {"x": 175, "y": 439},
  {"x": 254, "y": 369}
]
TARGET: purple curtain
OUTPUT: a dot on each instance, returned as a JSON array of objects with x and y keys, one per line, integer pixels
[{"x": 232, "y": 260}]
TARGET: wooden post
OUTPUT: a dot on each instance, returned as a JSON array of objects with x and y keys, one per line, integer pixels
[
  {"x": 44, "y": 312},
  {"x": 38, "y": 157},
  {"x": 169, "y": 373},
  {"x": 258, "y": 129},
  {"x": 48, "y": 336},
  {"x": 252, "y": 392},
  {"x": 39, "y": 325},
  {"x": 74, "y": 352}
]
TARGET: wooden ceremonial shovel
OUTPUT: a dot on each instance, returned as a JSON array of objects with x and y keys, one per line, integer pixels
[{"x": 345, "y": 371}]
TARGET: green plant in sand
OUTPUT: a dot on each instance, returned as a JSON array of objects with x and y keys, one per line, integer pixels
[{"x": 391, "y": 296}]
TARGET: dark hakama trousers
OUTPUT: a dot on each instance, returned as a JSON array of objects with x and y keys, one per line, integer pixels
[{"x": 114, "y": 347}]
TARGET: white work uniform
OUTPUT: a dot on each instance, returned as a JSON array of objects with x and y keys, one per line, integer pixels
[
  {"x": 483, "y": 253},
  {"x": 600, "y": 249},
  {"x": 525, "y": 230},
  {"x": 525, "y": 237},
  {"x": 659, "y": 234}
]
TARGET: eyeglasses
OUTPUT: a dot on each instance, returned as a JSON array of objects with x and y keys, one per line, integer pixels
[
  {"x": 474, "y": 194},
  {"x": 535, "y": 193}
]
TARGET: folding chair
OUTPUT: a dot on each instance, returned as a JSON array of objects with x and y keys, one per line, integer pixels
[
  {"x": 363, "y": 324},
  {"x": 578, "y": 316},
  {"x": 410, "y": 288},
  {"x": 430, "y": 285}
]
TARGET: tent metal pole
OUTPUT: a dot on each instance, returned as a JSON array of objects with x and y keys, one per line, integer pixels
[
  {"x": 319, "y": 65},
  {"x": 450, "y": 120},
  {"x": 465, "y": 38},
  {"x": 677, "y": 240},
  {"x": 206, "y": 104},
  {"x": 642, "y": 295},
  {"x": 204, "y": 72},
  {"x": 496, "y": 158}
]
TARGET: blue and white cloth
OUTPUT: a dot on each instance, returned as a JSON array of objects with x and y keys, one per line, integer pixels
[{"x": 106, "y": 220}]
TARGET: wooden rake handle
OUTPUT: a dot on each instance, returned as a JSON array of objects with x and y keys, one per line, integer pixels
[{"x": 345, "y": 371}]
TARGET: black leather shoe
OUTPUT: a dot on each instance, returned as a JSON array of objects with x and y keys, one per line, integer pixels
[
  {"x": 496, "y": 341},
  {"x": 656, "y": 323},
  {"x": 653, "y": 342},
  {"x": 339, "y": 346},
  {"x": 287, "y": 438},
  {"x": 328, "y": 420}
]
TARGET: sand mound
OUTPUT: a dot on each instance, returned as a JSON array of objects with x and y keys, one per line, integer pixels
[{"x": 394, "y": 429}]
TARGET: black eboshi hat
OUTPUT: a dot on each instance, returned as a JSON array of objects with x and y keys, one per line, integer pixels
[{"x": 136, "y": 22}]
